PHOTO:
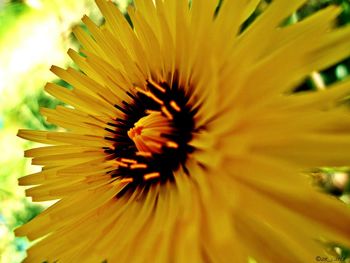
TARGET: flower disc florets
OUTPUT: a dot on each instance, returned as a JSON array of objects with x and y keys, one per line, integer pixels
[{"x": 151, "y": 141}]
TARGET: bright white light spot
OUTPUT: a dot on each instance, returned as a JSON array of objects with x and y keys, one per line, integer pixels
[
  {"x": 35, "y": 49},
  {"x": 318, "y": 80},
  {"x": 37, "y": 4},
  {"x": 340, "y": 179},
  {"x": 26, "y": 56}
]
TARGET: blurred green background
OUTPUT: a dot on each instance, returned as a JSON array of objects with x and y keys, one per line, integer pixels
[{"x": 34, "y": 34}]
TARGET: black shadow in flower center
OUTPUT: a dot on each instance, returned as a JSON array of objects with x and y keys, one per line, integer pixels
[{"x": 139, "y": 168}]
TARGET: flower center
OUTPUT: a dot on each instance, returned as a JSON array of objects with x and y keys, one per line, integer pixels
[
  {"x": 151, "y": 141},
  {"x": 149, "y": 133}
]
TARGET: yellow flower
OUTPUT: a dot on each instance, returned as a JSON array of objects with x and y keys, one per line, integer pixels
[{"x": 184, "y": 142}]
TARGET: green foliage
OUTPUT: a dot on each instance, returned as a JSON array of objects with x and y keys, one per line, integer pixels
[
  {"x": 9, "y": 14},
  {"x": 344, "y": 17},
  {"x": 29, "y": 110},
  {"x": 28, "y": 213}
]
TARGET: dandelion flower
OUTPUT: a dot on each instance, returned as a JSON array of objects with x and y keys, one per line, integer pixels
[{"x": 184, "y": 143}]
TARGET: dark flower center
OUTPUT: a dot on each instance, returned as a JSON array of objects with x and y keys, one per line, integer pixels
[{"x": 151, "y": 141}]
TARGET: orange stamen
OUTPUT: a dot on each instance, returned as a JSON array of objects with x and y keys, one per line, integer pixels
[
  {"x": 138, "y": 166},
  {"x": 147, "y": 132},
  {"x": 153, "y": 97},
  {"x": 171, "y": 144},
  {"x": 121, "y": 164},
  {"x": 167, "y": 113},
  {"x": 150, "y": 95},
  {"x": 151, "y": 175},
  {"x": 133, "y": 132},
  {"x": 144, "y": 154},
  {"x": 127, "y": 180},
  {"x": 125, "y": 160},
  {"x": 152, "y": 111},
  {"x": 153, "y": 144},
  {"x": 157, "y": 86},
  {"x": 174, "y": 105}
]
